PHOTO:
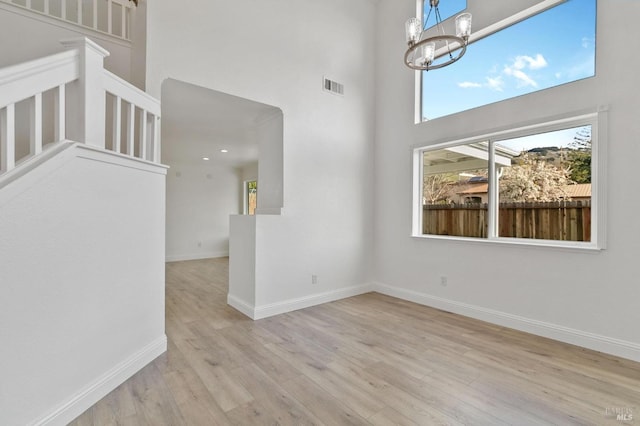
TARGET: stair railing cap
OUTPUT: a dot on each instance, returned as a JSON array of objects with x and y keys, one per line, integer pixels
[{"x": 84, "y": 42}]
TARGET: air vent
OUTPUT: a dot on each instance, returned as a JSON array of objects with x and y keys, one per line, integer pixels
[{"x": 333, "y": 87}]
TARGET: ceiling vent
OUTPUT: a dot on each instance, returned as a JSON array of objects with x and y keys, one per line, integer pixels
[{"x": 333, "y": 87}]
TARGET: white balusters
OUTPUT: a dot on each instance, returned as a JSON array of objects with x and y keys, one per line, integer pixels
[
  {"x": 95, "y": 19},
  {"x": 110, "y": 17},
  {"x": 94, "y": 24},
  {"x": 35, "y": 124},
  {"x": 117, "y": 123},
  {"x": 75, "y": 86},
  {"x": 124, "y": 28},
  {"x": 79, "y": 12},
  {"x": 156, "y": 140},
  {"x": 60, "y": 132},
  {"x": 131, "y": 120},
  {"x": 7, "y": 138},
  {"x": 143, "y": 134}
]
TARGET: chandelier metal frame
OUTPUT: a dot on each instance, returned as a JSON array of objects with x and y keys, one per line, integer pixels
[{"x": 453, "y": 43}]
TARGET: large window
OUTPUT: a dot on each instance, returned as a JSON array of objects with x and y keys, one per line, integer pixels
[
  {"x": 548, "y": 49},
  {"x": 535, "y": 183}
]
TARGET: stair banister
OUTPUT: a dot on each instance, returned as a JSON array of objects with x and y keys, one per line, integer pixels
[
  {"x": 79, "y": 84},
  {"x": 87, "y": 110}
]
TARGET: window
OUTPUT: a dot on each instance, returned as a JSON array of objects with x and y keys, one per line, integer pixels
[
  {"x": 550, "y": 48},
  {"x": 535, "y": 183},
  {"x": 250, "y": 197},
  {"x": 447, "y": 9}
]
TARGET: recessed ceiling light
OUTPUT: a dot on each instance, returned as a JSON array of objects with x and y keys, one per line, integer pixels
[
  {"x": 224, "y": 151},
  {"x": 205, "y": 158}
]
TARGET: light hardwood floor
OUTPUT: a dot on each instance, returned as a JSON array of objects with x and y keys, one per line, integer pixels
[{"x": 369, "y": 359}]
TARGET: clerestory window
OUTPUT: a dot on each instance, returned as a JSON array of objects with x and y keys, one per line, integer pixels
[{"x": 547, "y": 45}]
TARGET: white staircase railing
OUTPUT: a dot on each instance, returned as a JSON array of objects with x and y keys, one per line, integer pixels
[
  {"x": 84, "y": 103},
  {"x": 111, "y": 17}
]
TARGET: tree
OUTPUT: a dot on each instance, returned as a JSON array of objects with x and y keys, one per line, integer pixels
[
  {"x": 436, "y": 188},
  {"x": 579, "y": 156},
  {"x": 533, "y": 179}
]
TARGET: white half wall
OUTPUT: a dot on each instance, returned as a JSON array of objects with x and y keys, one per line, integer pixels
[
  {"x": 576, "y": 296},
  {"x": 82, "y": 281},
  {"x": 200, "y": 199},
  {"x": 325, "y": 225}
]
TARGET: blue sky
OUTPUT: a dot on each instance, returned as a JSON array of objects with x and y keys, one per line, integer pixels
[
  {"x": 558, "y": 138},
  {"x": 546, "y": 50}
]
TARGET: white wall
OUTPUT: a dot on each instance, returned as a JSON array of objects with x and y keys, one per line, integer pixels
[
  {"x": 200, "y": 198},
  {"x": 82, "y": 282},
  {"x": 586, "y": 298},
  {"x": 242, "y": 260},
  {"x": 270, "y": 167},
  {"x": 26, "y": 38},
  {"x": 276, "y": 52},
  {"x": 249, "y": 172}
]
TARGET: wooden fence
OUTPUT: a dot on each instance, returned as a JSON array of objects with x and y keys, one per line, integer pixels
[{"x": 563, "y": 220}]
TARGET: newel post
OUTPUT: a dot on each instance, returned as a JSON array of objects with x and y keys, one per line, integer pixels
[{"x": 86, "y": 97}]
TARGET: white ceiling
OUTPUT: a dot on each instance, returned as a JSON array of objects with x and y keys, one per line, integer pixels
[{"x": 199, "y": 122}]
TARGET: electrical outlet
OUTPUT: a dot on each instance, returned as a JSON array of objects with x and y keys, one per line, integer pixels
[
  {"x": 314, "y": 279},
  {"x": 443, "y": 281}
]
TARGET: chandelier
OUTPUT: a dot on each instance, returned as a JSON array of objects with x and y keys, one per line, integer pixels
[{"x": 422, "y": 51}]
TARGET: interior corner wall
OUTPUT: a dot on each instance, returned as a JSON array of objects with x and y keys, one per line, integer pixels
[
  {"x": 277, "y": 52},
  {"x": 200, "y": 199},
  {"x": 580, "y": 297},
  {"x": 26, "y": 38}
]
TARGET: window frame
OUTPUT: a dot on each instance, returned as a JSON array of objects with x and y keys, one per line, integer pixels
[
  {"x": 597, "y": 118},
  {"x": 477, "y": 35}
]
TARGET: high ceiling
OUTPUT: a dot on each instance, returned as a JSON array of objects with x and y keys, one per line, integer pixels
[{"x": 199, "y": 122}]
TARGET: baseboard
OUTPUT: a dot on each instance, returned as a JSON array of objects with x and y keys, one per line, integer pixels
[
  {"x": 272, "y": 309},
  {"x": 196, "y": 256},
  {"x": 264, "y": 311},
  {"x": 612, "y": 346},
  {"x": 241, "y": 305},
  {"x": 91, "y": 394}
]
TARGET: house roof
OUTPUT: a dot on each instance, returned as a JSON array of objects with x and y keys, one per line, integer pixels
[
  {"x": 578, "y": 190},
  {"x": 574, "y": 191},
  {"x": 479, "y": 188}
]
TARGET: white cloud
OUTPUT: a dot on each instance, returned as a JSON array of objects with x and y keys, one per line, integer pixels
[
  {"x": 587, "y": 42},
  {"x": 469, "y": 84},
  {"x": 524, "y": 61},
  {"x": 496, "y": 84},
  {"x": 521, "y": 76}
]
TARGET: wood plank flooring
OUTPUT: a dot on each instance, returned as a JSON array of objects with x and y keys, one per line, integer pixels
[{"x": 366, "y": 360}]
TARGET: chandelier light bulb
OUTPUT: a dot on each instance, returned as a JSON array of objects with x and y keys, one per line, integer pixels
[
  {"x": 463, "y": 26},
  {"x": 413, "y": 28},
  {"x": 428, "y": 53}
]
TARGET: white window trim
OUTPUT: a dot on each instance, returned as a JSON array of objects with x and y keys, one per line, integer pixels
[{"x": 597, "y": 118}]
